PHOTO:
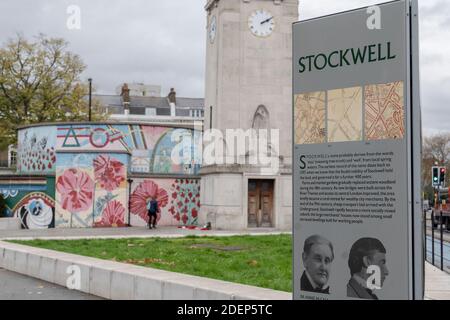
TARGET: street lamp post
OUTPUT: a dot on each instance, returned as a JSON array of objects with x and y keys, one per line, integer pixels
[
  {"x": 90, "y": 99},
  {"x": 130, "y": 182}
]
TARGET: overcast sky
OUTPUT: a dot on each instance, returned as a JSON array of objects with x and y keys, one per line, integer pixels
[{"x": 163, "y": 42}]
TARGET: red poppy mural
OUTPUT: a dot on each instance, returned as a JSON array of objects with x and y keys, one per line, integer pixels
[
  {"x": 36, "y": 153},
  {"x": 184, "y": 204},
  {"x": 109, "y": 172},
  {"x": 113, "y": 215},
  {"x": 76, "y": 189},
  {"x": 145, "y": 191}
]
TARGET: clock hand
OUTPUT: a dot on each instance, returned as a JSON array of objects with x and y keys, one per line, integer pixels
[{"x": 267, "y": 20}]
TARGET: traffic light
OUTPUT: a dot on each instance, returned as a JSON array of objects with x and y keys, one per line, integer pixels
[
  {"x": 435, "y": 176},
  {"x": 442, "y": 176}
]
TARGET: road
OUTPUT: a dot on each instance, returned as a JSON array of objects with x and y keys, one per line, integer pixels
[{"x": 15, "y": 286}]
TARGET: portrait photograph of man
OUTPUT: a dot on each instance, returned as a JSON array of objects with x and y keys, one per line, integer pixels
[
  {"x": 366, "y": 255},
  {"x": 317, "y": 258}
]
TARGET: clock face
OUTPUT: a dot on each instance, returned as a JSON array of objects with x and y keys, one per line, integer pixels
[
  {"x": 261, "y": 23},
  {"x": 212, "y": 29}
]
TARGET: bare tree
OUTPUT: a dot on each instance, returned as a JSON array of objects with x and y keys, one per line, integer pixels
[{"x": 436, "y": 151}]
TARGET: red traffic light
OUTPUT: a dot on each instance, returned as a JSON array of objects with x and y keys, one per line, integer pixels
[{"x": 442, "y": 176}]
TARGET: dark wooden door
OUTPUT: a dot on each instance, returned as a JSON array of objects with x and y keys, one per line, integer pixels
[{"x": 260, "y": 203}]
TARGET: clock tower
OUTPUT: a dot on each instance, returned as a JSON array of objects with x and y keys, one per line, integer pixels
[{"x": 249, "y": 86}]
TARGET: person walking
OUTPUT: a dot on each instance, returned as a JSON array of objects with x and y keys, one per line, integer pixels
[{"x": 152, "y": 207}]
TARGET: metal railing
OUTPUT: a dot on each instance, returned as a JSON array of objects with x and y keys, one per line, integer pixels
[{"x": 437, "y": 245}]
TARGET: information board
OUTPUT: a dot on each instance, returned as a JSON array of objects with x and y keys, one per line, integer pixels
[{"x": 357, "y": 142}]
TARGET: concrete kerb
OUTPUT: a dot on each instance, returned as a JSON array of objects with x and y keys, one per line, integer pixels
[{"x": 119, "y": 281}]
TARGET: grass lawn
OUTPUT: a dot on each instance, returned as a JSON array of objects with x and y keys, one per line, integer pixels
[{"x": 262, "y": 261}]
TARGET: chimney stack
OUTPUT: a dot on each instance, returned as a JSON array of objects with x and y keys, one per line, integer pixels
[
  {"x": 172, "y": 97},
  {"x": 126, "y": 98}
]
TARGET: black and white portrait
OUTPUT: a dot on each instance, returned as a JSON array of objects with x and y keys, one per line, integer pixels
[
  {"x": 317, "y": 257},
  {"x": 368, "y": 270}
]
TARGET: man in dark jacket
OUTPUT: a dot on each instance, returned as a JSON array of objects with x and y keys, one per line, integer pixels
[
  {"x": 366, "y": 252},
  {"x": 152, "y": 207},
  {"x": 317, "y": 258}
]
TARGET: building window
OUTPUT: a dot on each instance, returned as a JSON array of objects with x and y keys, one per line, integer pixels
[
  {"x": 150, "y": 111},
  {"x": 13, "y": 159},
  {"x": 196, "y": 113},
  {"x": 12, "y": 156}
]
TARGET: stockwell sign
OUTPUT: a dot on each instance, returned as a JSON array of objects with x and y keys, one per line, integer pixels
[{"x": 357, "y": 143}]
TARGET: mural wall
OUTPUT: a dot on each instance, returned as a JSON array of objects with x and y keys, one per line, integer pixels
[
  {"x": 90, "y": 164},
  {"x": 178, "y": 199},
  {"x": 91, "y": 190},
  {"x": 36, "y": 150},
  {"x": 32, "y": 202},
  {"x": 154, "y": 149}
]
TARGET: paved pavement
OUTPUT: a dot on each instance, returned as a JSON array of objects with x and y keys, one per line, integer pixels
[
  {"x": 437, "y": 283},
  {"x": 118, "y": 233},
  {"x": 14, "y": 286}
]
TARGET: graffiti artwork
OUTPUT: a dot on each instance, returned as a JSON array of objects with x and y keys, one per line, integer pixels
[
  {"x": 85, "y": 137},
  {"x": 30, "y": 200},
  {"x": 91, "y": 190},
  {"x": 113, "y": 215},
  {"x": 178, "y": 199},
  {"x": 36, "y": 150},
  {"x": 140, "y": 161},
  {"x": 110, "y": 176},
  {"x": 185, "y": 201},
  {"x": 36, "y": 211},
  {"x": 9, "y": 193},
  {"x": 162, "y": 150},
  {"x": 153, "y": 148},
  {"x": 88, "y": 166},
  {"x": 146, "y": 191},
  {"x": 74, "y": 197}
]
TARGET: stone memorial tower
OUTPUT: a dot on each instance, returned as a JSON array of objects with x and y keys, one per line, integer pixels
[{"x": 249, "y": 86}]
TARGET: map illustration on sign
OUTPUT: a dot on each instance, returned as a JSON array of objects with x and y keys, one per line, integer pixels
[
  {"x": 345, "y": 114},
  {"x": 310, "y": 118},
  {"x": 384, "y": 111}
]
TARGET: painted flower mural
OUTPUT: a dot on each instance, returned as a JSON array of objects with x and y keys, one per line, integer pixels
[
  {"x": 113, "y": 215},
  {"x": 109, "y": 172},
  {"x": 36, "y": 211},
  {"x": 87, "y": 186},
  {"x": 36, "y": 155},
  {"x": 185, "y": 201},
  {"x": 76, "y": 189},
  {"x": 145, "y": 191}
]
